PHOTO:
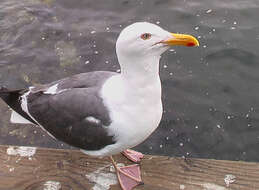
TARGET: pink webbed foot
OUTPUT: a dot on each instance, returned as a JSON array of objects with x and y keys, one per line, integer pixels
[
  {"x": 128, "y": 176},
  {"x": 133, "y": 155}
]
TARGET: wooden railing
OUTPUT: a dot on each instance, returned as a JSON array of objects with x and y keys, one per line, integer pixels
[{"x": 23, "y": 168}]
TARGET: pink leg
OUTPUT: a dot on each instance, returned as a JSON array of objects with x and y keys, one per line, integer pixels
[
  {"x": 133, "y": 155},
  {"x": 128, "y": 176}
]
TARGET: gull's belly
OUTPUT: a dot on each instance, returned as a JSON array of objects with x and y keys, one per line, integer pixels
[{"x": 132, "y": 124}]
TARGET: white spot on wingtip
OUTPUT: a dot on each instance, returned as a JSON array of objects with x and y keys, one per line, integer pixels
[
  {"x": 52, "y": 185},
  {"x": 22, "y": 151},
  {"x": 102, "y": 180},
  {"x": 92, "y": 119}
]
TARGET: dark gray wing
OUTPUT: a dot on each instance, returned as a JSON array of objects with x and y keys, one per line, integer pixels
[{"x": 76, "y": 113}]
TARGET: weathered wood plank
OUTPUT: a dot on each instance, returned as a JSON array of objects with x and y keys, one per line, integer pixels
[{"x": 51, "y": 169}]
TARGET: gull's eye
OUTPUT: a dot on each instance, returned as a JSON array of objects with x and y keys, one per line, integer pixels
[{"x": 145, "y": 36}]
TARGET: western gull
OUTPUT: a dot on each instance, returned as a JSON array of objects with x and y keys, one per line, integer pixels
[{"x": 104, "y": 113}]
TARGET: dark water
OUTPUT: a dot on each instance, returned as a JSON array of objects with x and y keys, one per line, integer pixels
[{"x": 210, "y": 93}]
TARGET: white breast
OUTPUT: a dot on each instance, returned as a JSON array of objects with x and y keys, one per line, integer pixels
[{"x": 135, "y": 112}]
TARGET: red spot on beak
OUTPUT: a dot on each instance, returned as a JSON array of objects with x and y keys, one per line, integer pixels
[{"x": 190, "y": 44}]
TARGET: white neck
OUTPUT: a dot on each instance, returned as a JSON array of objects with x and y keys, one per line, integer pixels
[{"x": 140, "y": 71}]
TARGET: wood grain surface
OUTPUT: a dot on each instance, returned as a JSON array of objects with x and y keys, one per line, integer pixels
[{"x": 55, "y": 169}]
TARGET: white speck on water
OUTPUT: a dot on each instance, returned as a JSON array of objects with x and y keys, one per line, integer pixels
[
  {"x": 182, "y": 187},
  {"x": 52, "y": 185},
  {"x": 247, "y": 115},
  {"x": 87, "y": 62},
  {"x": 223, "y": 21},
  {"x": 120, "y": 25},
  {"x": 197, "y": 15},
  {"x": 43, "y": 38},
  {"x": 196, "y": 28},
  {"x": 229, "y": 117},
  {"x": 172, "y": 50},
  {"x": 196, "y": 127},
  {"x": 69, "y": 34},
  {"x": 157, "y": 22},
  {"x": 167, "y": 138},
  {"x": 22, "y": 151},
  {"x": 102, "y": 179},
  {"x": 213, "y": 29},
  {"x": 107, "y": 28},
  {"x": 80, "y": 34},
  {"x": 232, "y": 28},
  {"x": 234, "y": 22},
  {"x": 94, "y": 45},
  {"x": 93, "y": 32},
  {"x": 171, "y": 74},
  {"x": 152, "y": 147},
  {"x": 165, "y": 66},
  {"x": 118, "y": 70},
  {"x": 209, "y": 11},
  {"x": 199, "y": 37},
  {"x": 96, "y": 52},
  {"x": 107, "y": 62},
  {"x": 161, "y": 146},
  {"x": 204, "y": 46},
  {"x": 229, "y": 178},
  {"x": 181, "y": 144},
  {"x": 11, "y": 169},
  {"x": 218, "y": 126}
]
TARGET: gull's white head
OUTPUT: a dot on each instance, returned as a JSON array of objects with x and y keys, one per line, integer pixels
[{"x": 143, "y": 40}]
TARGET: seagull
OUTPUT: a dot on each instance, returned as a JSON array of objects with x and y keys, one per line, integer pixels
[{"x": 105, "y": 113}]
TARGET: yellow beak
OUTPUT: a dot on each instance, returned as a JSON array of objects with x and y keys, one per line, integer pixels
[{"x": 181, "y": 39}]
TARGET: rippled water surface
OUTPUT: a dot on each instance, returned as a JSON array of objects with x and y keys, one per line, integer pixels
[{"x": 210, "y": 93}]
